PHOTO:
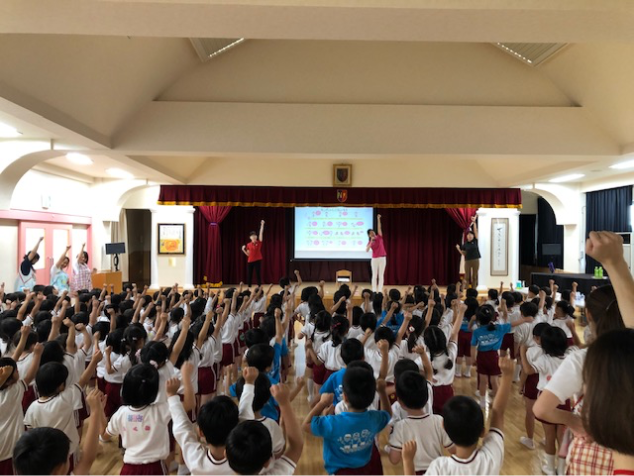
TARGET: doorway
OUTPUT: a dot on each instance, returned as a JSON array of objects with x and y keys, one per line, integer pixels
[{"x": 139, "y": 224}]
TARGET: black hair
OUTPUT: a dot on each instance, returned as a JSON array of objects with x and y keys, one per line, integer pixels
[
  {"x": 268, "y": 326},
  {"x": 419, "y": 294},
  {"x": 403, "y": 365},
  {"x": 177, "y": 314},
  {"x": 509, "y": 300},
  {"x": 262, "y": 391},
  {"x": 359, "y": 387},
  {"x": 368, "y": 321},
  {"x": 463, "y": 420},
  {"x": 436, "y": 342},
  {"x": 52, "y": 352},
  {"x": 261, "y": 357},
  {"x": 43, "y": 330},
  {"x": 41, "y": 451},
  {"x": 538, "y": 328},
  {"x": 80, "y": 318},
  {"x": 342, "y": 308},
  {"x": 369, "y": 230},
  {"x": 554, "y": 342},
  {"x": 415, "y": 329},
  {"x": 154, "y": 351},
  {"x": 339, "y": 330},
  {"x": 249, "y": 447},
  {"x": 368, "y": 291},
  {"x": 411, "y": 390},
  {"x": 344, "y": 289},
  {"x": 49, "y": 303},
  {"x": 255, "y": 336},
  {"x": 217, "y": 418},
  {"x": 116, "y": 341},
  {"x": 518, "y": 297},
  {"x": 50, "y": 377},
  {"x": 449, "y": 298},
  {"x": 188, "y": 347},
  {"x": 103, "y": 328},
  {"x": 357, "y": 312},
  {"x": 8, "y": 328},
  {"x": 604, "y": 310},
  {"x": 473, "y": 293},
  {"x": 377, "y": 303},
  {"x": 534, "y": 289},
  {"x": 140, "y": 385},
  {"x": 393, "y": 320},
  {"x": 384, "y": 333},
  {"x": 307, "y": 292},
  {"x": 351, "y": 350},
  {"x": 485, "y": 316},
  {"x": 285, "y": 281},
  {"x": 31, "y": 340},
  {"x": 566, "y": 308},
  {"x": 472, "y": 307},
  {"x": 565, "y": 295},
  {"x": 9, "y": 362},
  {"x": 41, "y": 316},
  {"x": 134, "y": 336},
  {"x": 493, "y": 295},
  {"x": 323, "y": 320},
  {"x": 394, "y": 294},
  {"x": 436, "y": 315},
  {"x": 528, "y": 309}
]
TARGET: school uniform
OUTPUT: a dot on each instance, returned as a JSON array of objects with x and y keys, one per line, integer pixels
[
  {"x": 508, "y": 342},
  {"x": 319, "y": 369},
  {"x": 24, "y": 364},
  {"x": 355, "y": 332},
  {"x": 464, "y": 339},
  {"x": 430, "y": 436},
  {"x": 114, "y": 381},
  {"x": 563, "y": 325},
  {"x": 144, "y": 436},
  {"x": 277, "y": 435},
  {"x": 330, "y": 356},
  {"x": 487, "y": 459},
  {"x": 489, "y": 343},
  {"x": 373, "y": 357},
  {"x": 56, "y": 412},
  {"x": 444, "y": 377},
  {"x": 207, "y": 377},
  {"x": 349, "y": 440},
  {"x": 11, "y": 422},
  {"x": 530, "y": 390},
  {"x": 334, "y": 385},
  {"x": 228, "y": 335},
  {"x": 282, "y": 466},
  {"x": 166, "y": 372},
  {"x": 399, "y": 414}
]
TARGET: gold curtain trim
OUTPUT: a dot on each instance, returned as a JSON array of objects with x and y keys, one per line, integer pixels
[{"x": 374, "y": 205}]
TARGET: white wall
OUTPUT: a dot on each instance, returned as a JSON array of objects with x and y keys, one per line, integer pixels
[{"x": 9, "y": 253}]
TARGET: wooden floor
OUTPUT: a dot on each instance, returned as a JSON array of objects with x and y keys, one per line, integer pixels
[{"x": 518, "y": 459}]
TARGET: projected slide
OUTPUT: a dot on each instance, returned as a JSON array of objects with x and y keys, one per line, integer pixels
[{"x": 332, "y": 232}]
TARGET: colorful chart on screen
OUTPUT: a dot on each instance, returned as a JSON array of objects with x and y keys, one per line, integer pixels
[{"x": 332, "y": 232}]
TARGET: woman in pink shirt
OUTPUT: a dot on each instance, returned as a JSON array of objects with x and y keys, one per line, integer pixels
[{"x": 378, "y": 255}]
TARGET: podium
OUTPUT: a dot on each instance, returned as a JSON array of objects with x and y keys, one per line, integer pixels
[{"x": 108, "y": 277}]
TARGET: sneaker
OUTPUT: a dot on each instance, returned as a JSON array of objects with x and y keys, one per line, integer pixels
[
  {"x": 467, "y": 374},
  {"x": 458, "y": 374},
  {"x": 548, "y": 470},
  {"x": 528, "y": 442}
]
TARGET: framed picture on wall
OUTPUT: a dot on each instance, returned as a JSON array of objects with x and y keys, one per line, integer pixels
[
  {"x": 171, "y": 239},
  {"x": 341, "y": 175},
  {"x": 499, "y": 247}
]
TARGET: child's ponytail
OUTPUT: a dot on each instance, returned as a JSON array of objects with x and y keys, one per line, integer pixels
[{"x": 339, "y": 330}]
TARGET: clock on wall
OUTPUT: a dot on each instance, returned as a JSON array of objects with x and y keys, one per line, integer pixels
[{"x": 499, "y": 247}]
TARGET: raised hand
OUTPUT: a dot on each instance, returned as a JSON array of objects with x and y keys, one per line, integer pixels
[
  {"x": 250, "y": 374},
  {"x": 605, "y": 247},
  {"x": 172, "y": 386}
]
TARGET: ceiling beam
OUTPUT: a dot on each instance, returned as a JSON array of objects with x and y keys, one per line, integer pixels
[
  {"x": 172, "y": 128},
  {"x": 556, "y": 21}
]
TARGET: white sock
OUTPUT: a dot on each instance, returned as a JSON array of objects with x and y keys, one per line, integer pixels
[
  {"x": 483, "y": 400},
  {"x": 550, "y": 462},
  {"x": 311, "y": 388},
  {"x": 561, "y": 465},
  {"x": 467, "y": 372},
  {"x": 183, "y": 469},
  {"x": 516, "y": 375}
]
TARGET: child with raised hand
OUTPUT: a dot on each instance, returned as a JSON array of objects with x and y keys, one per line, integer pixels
[
  {"x": 329, "y": 354},
  {"x": 55, "y": 407},
  {"x": 464, "y": 423},
  {"x": 13, "y": 387},
  {"x": 351, "y": 351},
  {"x": 46, "y": 450},
  {"x": 249, "y": 445},
  {"x": 424, "y": 428},
  {"x": 442, "y": 354},
  {"x": 216, "y": 419},
  {"x": 349, "y": 446},
  {"x": 142, "y": 423}
]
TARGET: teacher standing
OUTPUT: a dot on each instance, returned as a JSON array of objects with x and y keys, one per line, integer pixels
[
  {"x": 253, "y": 250},
  {"x": 379, "y": 256},
  {"x": 471, "y": 254}
]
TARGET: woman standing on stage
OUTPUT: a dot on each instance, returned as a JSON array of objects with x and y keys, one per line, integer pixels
[
  {"x": 379, "y": 256},
  {"x": 471, "y": 255},
  {"x": 253, "y": 250}
]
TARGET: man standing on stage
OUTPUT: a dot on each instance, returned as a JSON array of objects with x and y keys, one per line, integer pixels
[{"x": 253, "y": 250}]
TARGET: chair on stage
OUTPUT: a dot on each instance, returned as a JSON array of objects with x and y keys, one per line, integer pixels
[{"x": 343, "y": 276}]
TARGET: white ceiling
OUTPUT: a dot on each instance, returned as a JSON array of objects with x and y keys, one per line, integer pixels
[{"x": 425, "y": 89}]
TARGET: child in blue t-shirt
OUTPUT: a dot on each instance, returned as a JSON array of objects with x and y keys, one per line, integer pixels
[
  {"x": 351, "y": 350},
  {"x": 349, "y": 446},
  {"x": 486, "y": 342}
]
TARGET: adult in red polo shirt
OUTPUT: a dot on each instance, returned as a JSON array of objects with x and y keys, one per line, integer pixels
[
  {"x": 253, "y": 250},
  {"x": 379, "y": 256}
]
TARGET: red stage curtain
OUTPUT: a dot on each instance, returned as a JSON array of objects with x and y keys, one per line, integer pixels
[
  {"x": 212, "y": 266},
  {"x": 215, "y": 195},
  {"x": 462, "y": 217},
  {"x": 235, "y": 233}
]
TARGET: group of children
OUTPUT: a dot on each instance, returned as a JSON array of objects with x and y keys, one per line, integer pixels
[{"x": 197, "y": 382}]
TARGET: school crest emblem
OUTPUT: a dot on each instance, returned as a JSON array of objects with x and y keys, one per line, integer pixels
[{"x": 342, "y": 195}]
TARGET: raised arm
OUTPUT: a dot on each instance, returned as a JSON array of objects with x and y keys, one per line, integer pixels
[
  {"x": 407, "y": 317},
  {"x": 320, "y": 293},
  {"x": 458, "y": 316},
  {"x": 22, "y": 311},
  {"x": 379, "y": 227},
  {"x": 295, "y": 446},
  {"x": 501, "y": 399},
  {"x": 202, "y": 335},
  {"x": 90, "y": 441},
  {"x": 474, "y": 225},
  {"x": 180, "y": 342},
  {"x": 33, "y": 252},
  {"x": 81, "y": 251},
  {"x": 261, "y": 235},
  {"x": 62, "y": 258}
]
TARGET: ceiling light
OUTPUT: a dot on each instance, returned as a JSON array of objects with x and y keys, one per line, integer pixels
[
  {"x": 566, "y": 178},
  {"x": 7, "y": 131},
  {"x": 623, "y": 165},
  {"x": 79, "y": 159},
  {"x": 119, "y": 173}
]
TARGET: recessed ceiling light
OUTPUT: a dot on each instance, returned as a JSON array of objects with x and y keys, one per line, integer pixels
[
  {"x": 79, "y": 159},
  {"x": 623, "y": 165},
  {"x": 7, "y": 131},
  {"x": 566, "y": 178},
  {"x": 119, "y": 173}
]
